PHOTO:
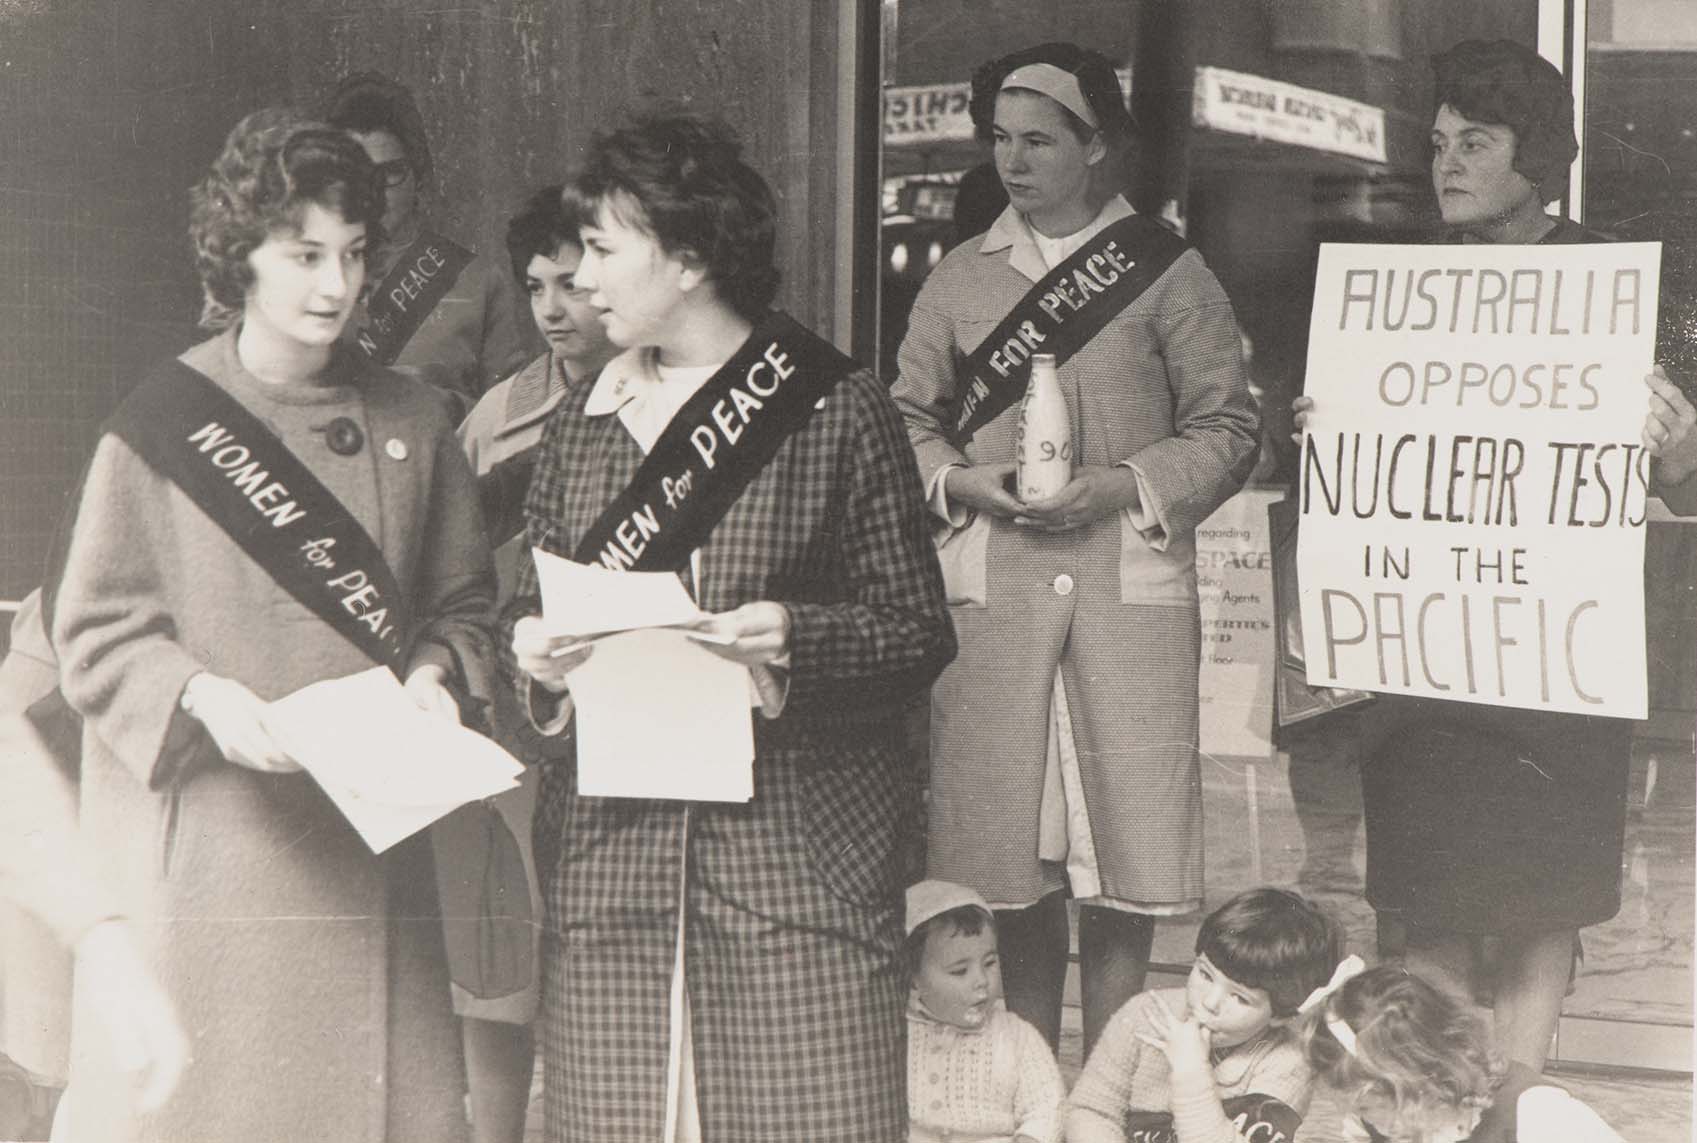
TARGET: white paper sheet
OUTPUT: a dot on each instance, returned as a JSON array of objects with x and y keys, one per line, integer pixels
[
  {"x": 660, "y": 716},
  {"x": 391, "y": 768},
  {"x": 587, "y": 599}
]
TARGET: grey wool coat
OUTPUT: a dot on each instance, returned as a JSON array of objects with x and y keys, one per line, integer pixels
[
  {"x": 1112, "y": 606},
  {"x": 308, "y": 973}
]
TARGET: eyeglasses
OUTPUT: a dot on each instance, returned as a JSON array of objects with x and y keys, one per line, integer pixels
[{"x": 393, "y": 173}]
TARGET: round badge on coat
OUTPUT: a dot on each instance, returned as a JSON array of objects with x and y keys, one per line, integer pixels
[
  {"x": 343, "y": 436},
  {"x": 396, "y": 448}
]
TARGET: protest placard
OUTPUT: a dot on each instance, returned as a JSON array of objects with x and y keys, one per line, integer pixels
[{"x": 1472, "y": 480}]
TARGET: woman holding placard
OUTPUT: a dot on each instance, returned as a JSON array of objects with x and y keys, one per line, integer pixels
[
  {"x": 268, "y": 511},
  {"x": 1064, "y": 738},
  {"x": 1497, "y": 821},
  {"x": 729, "y": 970}
]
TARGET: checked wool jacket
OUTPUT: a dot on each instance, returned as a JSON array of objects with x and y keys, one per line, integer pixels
[{"x": 790, "y": 903}]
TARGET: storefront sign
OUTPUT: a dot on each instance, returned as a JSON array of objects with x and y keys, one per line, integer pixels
[
  {"x": 1234, "y": 578},
  {"x": 1473, "y": 484},
  {"x": 1244, "y": 104},
  {"x": 935, "y": 113}
]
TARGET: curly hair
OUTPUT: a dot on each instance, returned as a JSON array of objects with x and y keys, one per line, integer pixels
[
  {"x": 681, "y": 178},
  {"x": 1274, "y": 940},
  {"x": 1415, "y": 1048},
  {"x": 1096, "y": 79},
  {"x": 274, "y": 163},
  {"x": 542, "y": 224},
  {"x": 368, "y": 101},
  {"x": 1499, "y": 81}
]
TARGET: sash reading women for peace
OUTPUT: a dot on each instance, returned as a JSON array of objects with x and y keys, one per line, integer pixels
[
  {"x": 1061, "y": 313},
  {"x": 1473, "y": 483},
  {"x": 420, "y": 278},
  {"x": 713, "y": 447},
  {"x": 269, "y": 503}
]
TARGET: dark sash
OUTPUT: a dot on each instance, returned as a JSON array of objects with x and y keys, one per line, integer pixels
[
  {"x": 247, "y": 481},
  {"x": 1258, "y": 1119},
  {"x": 420, "y": 278},
  {"x": 1061, "y": 313},
  {"x": 713, "y": 447}
]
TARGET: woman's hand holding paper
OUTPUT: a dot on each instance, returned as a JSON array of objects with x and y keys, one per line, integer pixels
[
  {"x": 753, "y": 634},
  {"x": 1668, "y": 429},
  {"x": 235, "y": 718},
  {"x": 427, "y": 687},
  {"x": 547, "y": 658}
]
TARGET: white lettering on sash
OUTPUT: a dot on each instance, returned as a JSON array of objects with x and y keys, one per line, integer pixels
[
  {"x": 266, "y": 495},
  {"x": 424, "y": 268},
  {"x": 732, "y": 414},
  {"x": 358, "y": 595},
  {"x": 630, "y": 539},
  {"x": 209, "y": 436}
]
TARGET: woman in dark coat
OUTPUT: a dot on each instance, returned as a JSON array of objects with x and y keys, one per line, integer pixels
[
  {"x": 1498, "y": 821},
  {"x": 732, "y": 968}
]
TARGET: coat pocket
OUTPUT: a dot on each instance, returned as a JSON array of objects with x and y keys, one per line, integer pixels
[
  {"x": 1150, "y": 576},
  {"x": 963, "y": 554},
  {"x": 854, "y": 815}
]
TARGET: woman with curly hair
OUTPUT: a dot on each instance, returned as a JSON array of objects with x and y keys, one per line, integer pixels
[
  {"x": 712, "y": 970},
  {"x": 267, "y": 511},
  {"x": 1413, "y": 1066}
]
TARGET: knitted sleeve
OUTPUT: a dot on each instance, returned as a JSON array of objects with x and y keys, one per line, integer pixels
[
  {"x": 1102, "y": 1095},
  {"x": 1038, "y": 1098}
]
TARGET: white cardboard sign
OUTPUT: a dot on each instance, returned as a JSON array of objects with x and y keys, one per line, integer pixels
[{"x": 1472, "y": 481}]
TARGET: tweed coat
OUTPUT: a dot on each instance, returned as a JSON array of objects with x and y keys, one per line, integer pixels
[
  {"x": 308, "y": 973},
  {"x": 1162, "y": 389},
  {"x": 790, "y": 903}
]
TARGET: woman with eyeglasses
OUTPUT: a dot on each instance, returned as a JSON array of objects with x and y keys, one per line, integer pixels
[{"x": 432, "y": 307}]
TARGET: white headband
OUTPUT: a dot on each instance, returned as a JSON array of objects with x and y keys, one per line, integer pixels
[
  {"x": 1348, "y": 968},
  {"x": 1057, "y": 83}
]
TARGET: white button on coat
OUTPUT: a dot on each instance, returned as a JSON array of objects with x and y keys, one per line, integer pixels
[
  {"x": 396, "y": 448},
  {"x": 1063, "y": 584}
]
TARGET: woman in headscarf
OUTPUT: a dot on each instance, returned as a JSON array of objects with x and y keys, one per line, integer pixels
[{"x": 1064, "y": 737}]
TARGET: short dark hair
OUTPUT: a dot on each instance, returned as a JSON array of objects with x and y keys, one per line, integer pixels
[
  {"x": 968, "y": 920},
  {"x": 693, "y": 192},
  {"x": 1096, "y": 79},
  {"x": 1274, "y": 940},
  {"x": 542, "y": 224},
  {"x": 274, "y": 163},
  {"x": 1500, "y": 81},
  {"x": 368, "y": 101}
]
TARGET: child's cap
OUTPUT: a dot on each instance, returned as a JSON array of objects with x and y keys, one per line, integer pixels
[{"x": 934, "y": 898}]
